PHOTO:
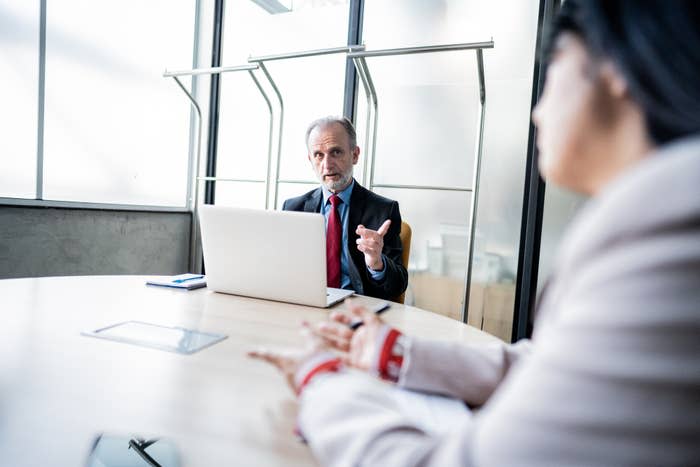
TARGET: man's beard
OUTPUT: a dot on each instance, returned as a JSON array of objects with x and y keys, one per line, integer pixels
[{"x": 343, "y": 182}]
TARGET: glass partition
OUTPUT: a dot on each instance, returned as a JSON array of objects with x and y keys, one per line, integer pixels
[
  {"x": 311, "y": 87},
  {"x": 439, "y": 243},
  {"x": 560, "y": 208},
  {"x": 244, "y": 123},
  {"x": 240, "y": 194},
  {"x": 427, "y": 127},
  {"x": 19, "y": 72},
  {"x": 292, "y": 190},
  {"x": 115, "y": 130}
]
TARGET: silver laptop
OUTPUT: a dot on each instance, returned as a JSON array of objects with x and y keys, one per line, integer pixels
[{"x": 275, "y": 255}]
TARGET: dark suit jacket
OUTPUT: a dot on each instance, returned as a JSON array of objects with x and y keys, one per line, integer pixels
[{"x": 370, "y": 210}]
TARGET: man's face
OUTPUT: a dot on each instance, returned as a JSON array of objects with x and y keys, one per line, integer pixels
[{"x": 331, "y": 156}]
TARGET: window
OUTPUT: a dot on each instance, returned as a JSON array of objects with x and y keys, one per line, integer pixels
[
  {"x": 114, "y": 130},
  {"x": 19, "y": 41},
  {"x": 311, "y": 87},
  {"x": 428, "y": 107}
]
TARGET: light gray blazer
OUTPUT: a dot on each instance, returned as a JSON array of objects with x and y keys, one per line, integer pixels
[{"x": 611, "y": 376}]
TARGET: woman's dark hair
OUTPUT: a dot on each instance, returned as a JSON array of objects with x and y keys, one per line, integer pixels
[{"x": 656, "y": 46}]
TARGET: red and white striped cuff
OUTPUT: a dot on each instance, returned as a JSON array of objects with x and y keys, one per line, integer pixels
[
  {"x": 325, "y": 362},
  {"x": 392, "y": 347}
]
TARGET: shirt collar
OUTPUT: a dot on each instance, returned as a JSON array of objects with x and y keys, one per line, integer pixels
[{"x": 343, "y": 195}]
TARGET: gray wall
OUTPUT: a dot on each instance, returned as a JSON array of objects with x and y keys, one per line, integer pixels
[{"x": 38, "y": 241}]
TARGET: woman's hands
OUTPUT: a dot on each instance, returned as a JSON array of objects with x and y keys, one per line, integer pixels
[
  {"x": 327, "y": 341},
  {"x": 289, "y": 361},
  {"x": 359, "y": 348}
]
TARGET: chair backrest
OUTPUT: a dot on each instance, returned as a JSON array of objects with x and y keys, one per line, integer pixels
[{"x": 405, "y": 236}]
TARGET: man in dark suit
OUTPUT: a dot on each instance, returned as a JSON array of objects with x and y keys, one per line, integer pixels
[{"x": 363, "y": 247}]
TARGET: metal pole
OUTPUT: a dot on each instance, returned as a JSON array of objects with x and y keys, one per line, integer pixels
[
  {"x": 368, "y": 96},
  {"x": 423, "y": 49},
  {"x": 39, "y": 194},
  {"x": 193, "y": 136},
  {"x": 209, "y": 71},
  {"x": 308, "y": 53},
  {"x": 422, "y": 187},
  {"x": 304, "y": 182},
  {"x": 533, "y": 199},
  {"x": 475, "y": 183},
  {"x": 214, "y": 95},
  {"x": 375, "y": 121},
  {"x": 224, "y": 179},
  {"x": 195, "y": 254},
  {"x": 279, "y": 135},
  {"x": 269, "y": 138},
  {"x": 355, "y": 23}
]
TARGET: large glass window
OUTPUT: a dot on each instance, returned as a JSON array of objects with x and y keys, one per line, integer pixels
[
  {"x": 428, "y": 107},
  {"x": 19, "y": 63},
  {"x": 560, "y": 208},
  {"x": 311, "y": 87},
  {"x": 115, "y": 130}
]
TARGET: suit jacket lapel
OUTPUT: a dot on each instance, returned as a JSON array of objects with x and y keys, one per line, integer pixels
[
  {"x": 357, "y": 207},
  {"x": 313, "y": 204}
]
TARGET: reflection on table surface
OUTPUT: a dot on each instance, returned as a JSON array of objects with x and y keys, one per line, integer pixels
[
  {"x": 59, "y": 390},
  {"x": 132, "y": 451}
]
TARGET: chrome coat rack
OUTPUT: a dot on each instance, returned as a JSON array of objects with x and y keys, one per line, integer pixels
[
  {"x": 193, "y": 188},
  {"x": 358, "y": 54}
]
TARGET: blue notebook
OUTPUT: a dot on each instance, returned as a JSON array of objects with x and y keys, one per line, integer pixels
[{"x": 181, "y": 281}]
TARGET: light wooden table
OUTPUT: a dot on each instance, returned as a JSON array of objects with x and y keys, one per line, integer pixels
[{"x": 59, "y": 389}]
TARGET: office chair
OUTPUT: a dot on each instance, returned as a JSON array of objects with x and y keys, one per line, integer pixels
[{"x": 405, "y": 236}]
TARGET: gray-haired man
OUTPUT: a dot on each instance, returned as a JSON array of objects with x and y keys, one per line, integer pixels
[{"x": 363, "y": 245}]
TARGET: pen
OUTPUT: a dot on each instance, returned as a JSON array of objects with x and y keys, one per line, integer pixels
[
  {"x": 179, "y": 281},
  {"x": 378, "y": 310}
]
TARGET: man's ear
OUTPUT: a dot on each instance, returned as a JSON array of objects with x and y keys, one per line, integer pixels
[{"x": 355, "y": 155}]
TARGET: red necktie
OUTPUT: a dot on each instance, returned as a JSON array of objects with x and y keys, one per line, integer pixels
[{"x": 334, "y": 240}]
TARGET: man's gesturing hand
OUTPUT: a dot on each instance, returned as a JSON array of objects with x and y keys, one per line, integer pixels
[{"x": 371, "y": 243}]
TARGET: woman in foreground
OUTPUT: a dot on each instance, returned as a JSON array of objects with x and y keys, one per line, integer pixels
[{"x": 611, "y": 375}]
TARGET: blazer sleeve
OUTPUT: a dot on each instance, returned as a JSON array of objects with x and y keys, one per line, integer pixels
[
  {"x": 396, "y": 276},
  {"x": 430, "y": 367},
  {"x": 349, "y": 419},
  {"x": 612, "y": 380},
  {"x": 370, "y": 428}
]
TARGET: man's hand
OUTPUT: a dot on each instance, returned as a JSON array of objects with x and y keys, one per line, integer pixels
[
  {"x": 288, "y": 361},
  {"x": 371, "y": 243}
]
